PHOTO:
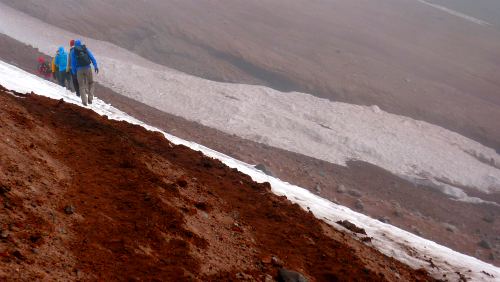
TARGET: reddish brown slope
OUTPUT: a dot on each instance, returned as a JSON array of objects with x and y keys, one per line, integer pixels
[{"x": 89, "y": 198}]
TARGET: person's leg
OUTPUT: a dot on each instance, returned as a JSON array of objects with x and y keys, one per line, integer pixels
[
  {"x": 76, "y": 86},
  {"x": 90, "y": 81},
  {"x": 81, "y": 82},
  {"x": 59, "y": 78},
  {"x": 67, "y": 81}
]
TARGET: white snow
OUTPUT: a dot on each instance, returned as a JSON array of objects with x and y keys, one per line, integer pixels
[
  {"x": 456, "y": 13},
  {"x": 298, "y": 122},
  {"x": 392, "y": 241}
]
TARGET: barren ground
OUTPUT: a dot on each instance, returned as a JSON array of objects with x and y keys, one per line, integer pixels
[{"x": 367, "y": 188}]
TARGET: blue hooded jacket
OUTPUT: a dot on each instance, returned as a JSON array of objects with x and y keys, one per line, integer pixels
[
  {"x": 61, "y": 60},
  {"x": 74, "y": 67}
]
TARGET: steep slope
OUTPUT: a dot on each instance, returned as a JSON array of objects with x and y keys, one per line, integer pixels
[
  {"x": 331, "y": 131},
  {"x": 404, "y": 56},
  {"x": 359, "y": 186},
  {"x": 84, "y": 197},
  {"x": 415, "y": 251}
]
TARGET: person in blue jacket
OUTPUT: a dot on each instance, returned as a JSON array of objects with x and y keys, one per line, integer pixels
[
  {"x": 61, "y": 64},
  {"x": 81, "y": 59}
]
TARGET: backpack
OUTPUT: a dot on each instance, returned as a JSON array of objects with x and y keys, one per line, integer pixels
[
  {"x": 44, "y": 68},
  {"x": 82, "y": 56}
]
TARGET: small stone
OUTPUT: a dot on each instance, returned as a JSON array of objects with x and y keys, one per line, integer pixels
[
  {"x": 354, "y": 193},
  {"x": 359, "y": 205},
  {"x": 285, "y": 275},
  {"x": 268, "y": 278},
  {"x": 341, "y": 189},
  {"x": 4, "y": 234},
  {"x": 489, "y": 219},
  {"x": 204, "y": 214},
  {"x": 484, "y": 244},
  {"x": 317, "y": 189},
  {"x": 276, "y": 261},
  {"x": 69, "y": 209},
  {"x": 244, "y": 276},
  {"x": 384, "y": 219},
  {"x": 450, "y": 228},
  {"x": 264, "y": 169}
]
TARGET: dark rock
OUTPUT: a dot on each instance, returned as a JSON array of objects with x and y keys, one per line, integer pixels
[
  {"x": 285, "y": 275},
  {"x": 264, "y": 169},
  {"x": 484, "y": 244},
  {"x": 202, "y": 206},
  {"x": 351, "y": 226},
  {"x": 4, "y": 189},
  {"x": 18, "y": 255},
  {"x": 489, "y": 219},
  {"x": 69, "y": 209},
  {"x": 354, "y": 193},
  {"x": 182, "y": 182},
  {"x": 384, "y": 219}
]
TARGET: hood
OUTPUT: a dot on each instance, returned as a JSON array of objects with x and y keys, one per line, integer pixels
[
  {"x": 78, "y": 43},
  {"x": 61, "y": 50},
  {"x": 41, "y": 59}
]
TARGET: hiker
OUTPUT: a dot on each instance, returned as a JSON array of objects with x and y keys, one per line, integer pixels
[
  {"x": 55, "y": 70},
  {"x": 43, "y": 68},
  {"x": 81, "y": 58},
  {"x": 61, "y": 63},
  {"x": 73, "y": 76}
]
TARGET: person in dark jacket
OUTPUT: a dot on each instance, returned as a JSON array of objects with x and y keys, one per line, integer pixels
[
  {"x": 81, "y": 60},
  {"x": 74, "y": 79}
]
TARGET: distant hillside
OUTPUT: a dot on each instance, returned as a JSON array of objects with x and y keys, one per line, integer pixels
[{"x": 404, "y": 56}]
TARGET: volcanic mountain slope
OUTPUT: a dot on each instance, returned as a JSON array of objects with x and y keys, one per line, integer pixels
[
  {"x": 360, "y": 186},
  {"x": 84, "y": 197},
  {"x": 405, "y": 56}
]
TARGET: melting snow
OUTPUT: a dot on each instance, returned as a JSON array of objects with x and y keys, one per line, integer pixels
[
  {"x": 456, "y": 13},
  {"x": 404, "y": 246}
]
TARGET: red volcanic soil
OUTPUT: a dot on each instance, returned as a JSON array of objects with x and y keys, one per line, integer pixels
[{"x": 87, "y": 198}]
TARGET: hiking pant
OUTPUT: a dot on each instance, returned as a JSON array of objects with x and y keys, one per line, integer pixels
[
  {"x": 86, "y": 83},
  {"x": 75, "y": 84},
  {"x": 64, "y": 80}
]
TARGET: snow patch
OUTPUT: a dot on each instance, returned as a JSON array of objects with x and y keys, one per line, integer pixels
[{"x": 456, "y": 13}]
